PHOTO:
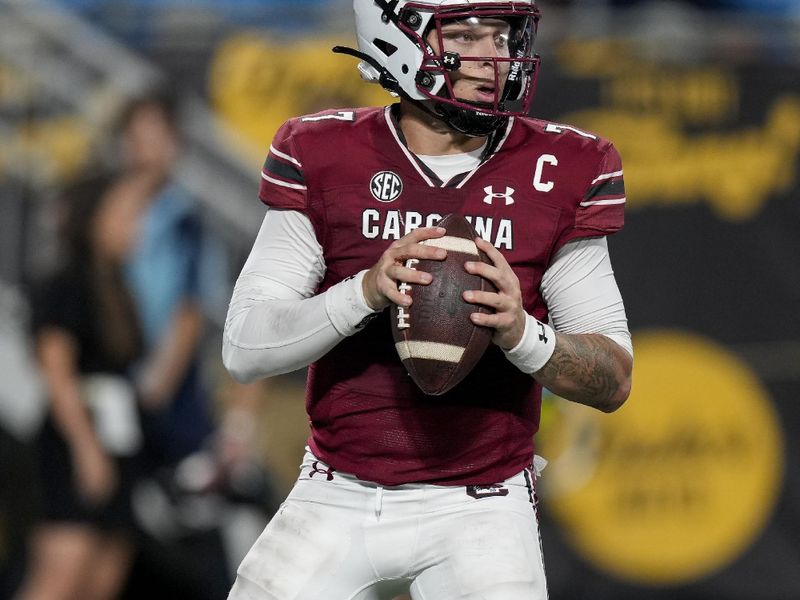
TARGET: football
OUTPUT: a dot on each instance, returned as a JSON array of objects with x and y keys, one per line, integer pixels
[{"x": 434, "y": 337}]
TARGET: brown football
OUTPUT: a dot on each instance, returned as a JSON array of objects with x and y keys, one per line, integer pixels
[{"x": 434, "y": 337}]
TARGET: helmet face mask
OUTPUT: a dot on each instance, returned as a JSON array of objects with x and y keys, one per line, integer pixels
[{"x": 413, "y": 41}]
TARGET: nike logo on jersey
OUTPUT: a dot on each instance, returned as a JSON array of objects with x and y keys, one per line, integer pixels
[{"x": 394, "y": 224}]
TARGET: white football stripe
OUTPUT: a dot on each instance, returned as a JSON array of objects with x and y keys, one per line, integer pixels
[
  {"x": 456, "y": 244},
  {"x": 429, "y": 350}
]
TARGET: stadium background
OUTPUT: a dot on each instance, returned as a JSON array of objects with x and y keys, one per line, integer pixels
[{"x": 692, "y": 490}]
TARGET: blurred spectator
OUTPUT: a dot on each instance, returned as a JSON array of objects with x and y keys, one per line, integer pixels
[
  {"x": 173, "y": 267},
  {"x": 87, "y": 337},
  {"x": 21, "y": 409}
]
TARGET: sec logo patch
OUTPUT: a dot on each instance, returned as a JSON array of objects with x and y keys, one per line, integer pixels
[{"x": 386, "y": 186}]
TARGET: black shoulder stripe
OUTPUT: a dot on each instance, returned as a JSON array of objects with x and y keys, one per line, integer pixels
[
  {"x": 284, "y": 170},
  {"x": 610, "y": 187}
]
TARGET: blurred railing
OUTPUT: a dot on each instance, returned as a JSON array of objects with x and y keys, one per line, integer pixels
[{"x": 76, "y": 69}]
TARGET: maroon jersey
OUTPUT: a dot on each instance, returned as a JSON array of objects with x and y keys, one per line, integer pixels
[{"x": 350, "y": 172}]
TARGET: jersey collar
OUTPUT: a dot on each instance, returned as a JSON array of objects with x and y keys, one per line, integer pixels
[{"x": 392, "y": 115}]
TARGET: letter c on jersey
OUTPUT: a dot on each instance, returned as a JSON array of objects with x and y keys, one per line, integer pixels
[
  {"x": 544, "y": 186},
  {"x": 386, "y": 186}
]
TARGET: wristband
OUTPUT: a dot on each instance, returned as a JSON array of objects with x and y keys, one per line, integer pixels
[{"x": 535, "y": 348}]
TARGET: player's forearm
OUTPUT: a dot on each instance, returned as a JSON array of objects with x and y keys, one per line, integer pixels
[
  {"x": 590, "y": 369},
  {"x": 266, "y": 336},
  {"x": 275, "y": 337}
]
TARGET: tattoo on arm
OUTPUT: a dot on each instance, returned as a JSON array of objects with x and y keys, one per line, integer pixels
[{"x": 586, "y": 369}]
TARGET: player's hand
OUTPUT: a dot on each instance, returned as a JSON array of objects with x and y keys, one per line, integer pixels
[
  {"x": 508, "y": 320},
  {"x": 380, "y": 282}
]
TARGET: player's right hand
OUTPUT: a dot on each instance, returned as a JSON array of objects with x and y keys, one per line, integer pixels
[{"x": 380, "y": 282}]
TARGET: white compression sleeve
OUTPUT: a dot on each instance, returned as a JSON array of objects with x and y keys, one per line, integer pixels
[
  {"x": 581, "y": 292},
  {"x": 275, "y": 323},
  {"x": 582, "y": 296}
]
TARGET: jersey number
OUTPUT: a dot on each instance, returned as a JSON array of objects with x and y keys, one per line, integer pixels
[
  {"x": 555, "y": 128},
  {"x": 342, "y": 115}
]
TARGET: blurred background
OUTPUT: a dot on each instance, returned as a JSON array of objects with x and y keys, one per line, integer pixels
[{"x": 690, "y": 492}]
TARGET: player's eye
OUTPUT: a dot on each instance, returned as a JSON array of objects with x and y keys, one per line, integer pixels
[{"x": 464, "y": 37}]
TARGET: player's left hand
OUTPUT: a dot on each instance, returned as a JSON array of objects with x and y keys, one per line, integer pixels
[{"x": 509, "y": 317}]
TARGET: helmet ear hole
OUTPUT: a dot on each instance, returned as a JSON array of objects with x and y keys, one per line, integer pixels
[
  {"x": 404, "y": 68},
  {"x": 384, "y": 46}
]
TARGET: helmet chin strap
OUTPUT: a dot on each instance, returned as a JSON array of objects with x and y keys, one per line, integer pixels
[
  {"x": 469, "y": 122},
  {"x": 462, "y": 120}
]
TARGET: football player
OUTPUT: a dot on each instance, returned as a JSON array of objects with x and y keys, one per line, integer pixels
[{"x": 401, "y": 491}]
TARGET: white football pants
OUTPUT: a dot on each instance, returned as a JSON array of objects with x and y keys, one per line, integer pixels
[{"x": 339, "y": 538}]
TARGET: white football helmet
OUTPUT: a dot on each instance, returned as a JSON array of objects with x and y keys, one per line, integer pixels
[{"x": 395, "y": 53}]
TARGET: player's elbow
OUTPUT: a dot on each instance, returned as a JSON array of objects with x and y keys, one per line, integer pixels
[
  {"x": 237, "y": 364},
  {"x": 623, "y": 381},
  {"x": 619, "y": 396}
]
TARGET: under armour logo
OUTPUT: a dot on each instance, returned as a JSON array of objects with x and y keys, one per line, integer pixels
[
  {"x": 491, "y": 195},
  {"x": 315, "y": 468},
  {"x": 452, "y": 61},
  {"x": 542, "y": 333}
]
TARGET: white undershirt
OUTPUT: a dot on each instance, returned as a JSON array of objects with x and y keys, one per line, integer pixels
[
  {"x": 448, "y": 166},
  {"x": 276, "y": 323}
]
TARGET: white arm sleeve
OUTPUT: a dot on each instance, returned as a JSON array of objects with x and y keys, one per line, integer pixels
[
  {"x": 582, "y": 297},
  {"x": 581, "y": 292},
  {"x": 275, "y": 323}
]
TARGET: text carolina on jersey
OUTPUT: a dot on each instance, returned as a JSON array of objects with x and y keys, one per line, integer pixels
[{"x": 395, "y": 224}]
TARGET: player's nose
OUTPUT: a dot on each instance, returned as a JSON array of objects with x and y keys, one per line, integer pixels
[{"x": 487, "y": 48}]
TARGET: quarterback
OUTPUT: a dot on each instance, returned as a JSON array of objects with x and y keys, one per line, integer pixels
[{"x": 400, "y": 492}]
